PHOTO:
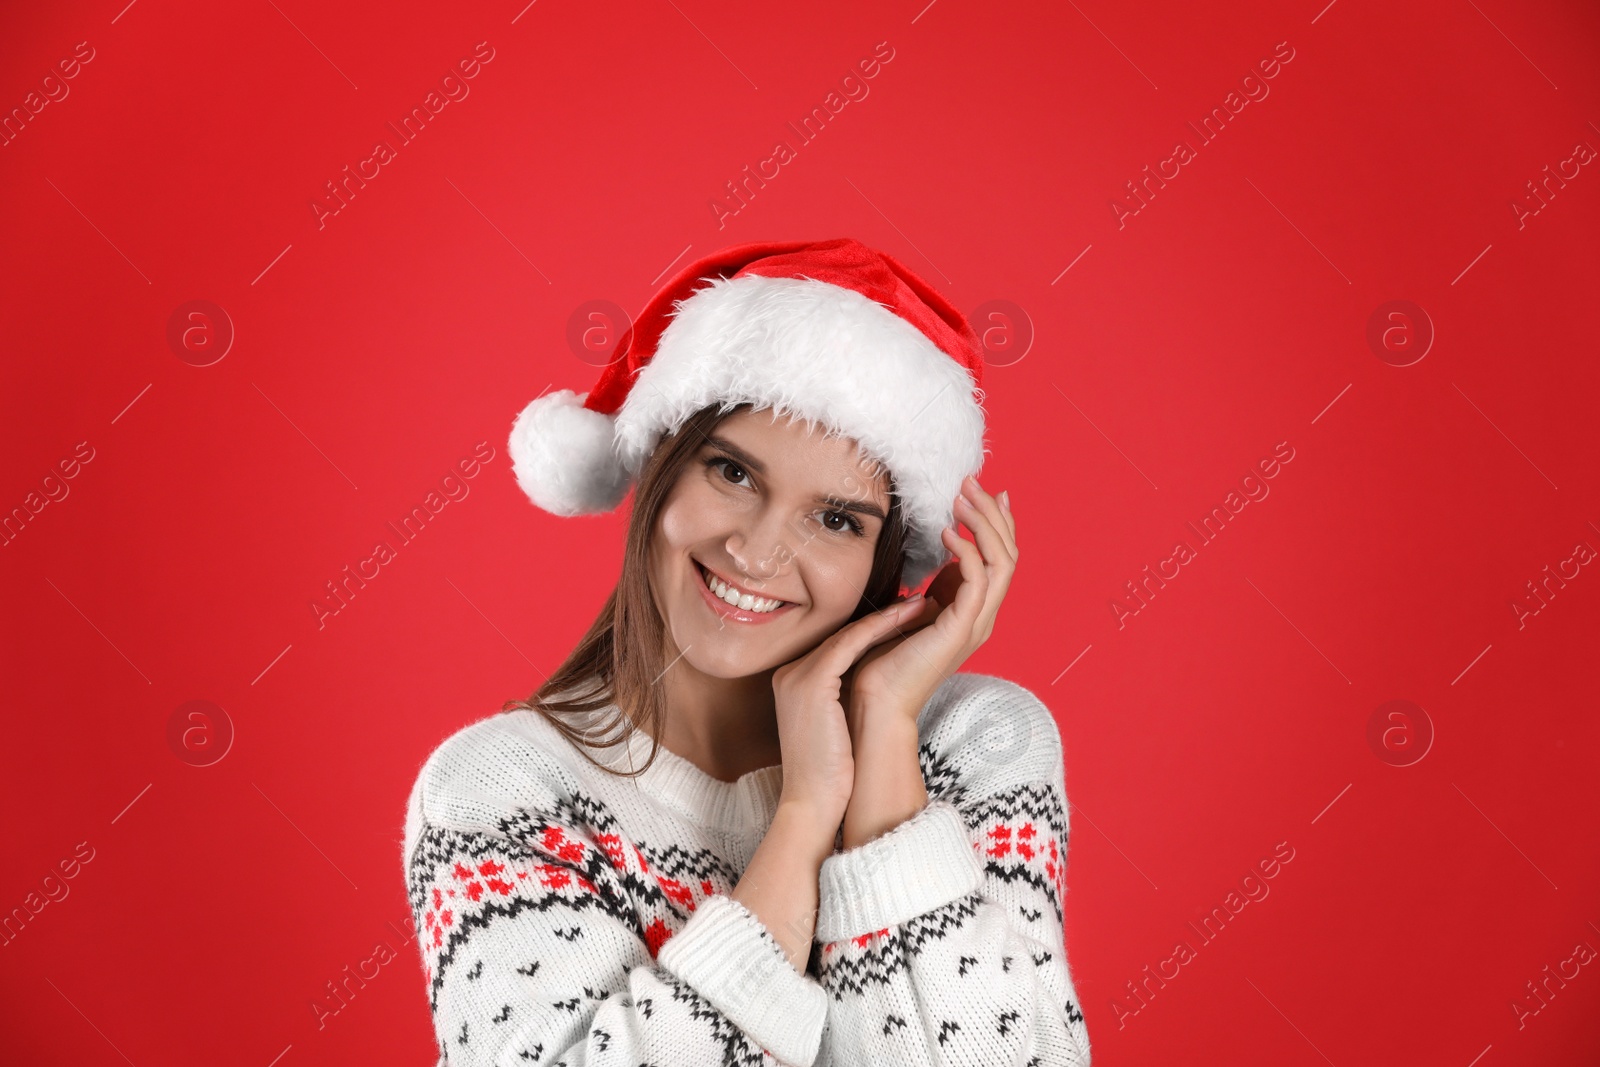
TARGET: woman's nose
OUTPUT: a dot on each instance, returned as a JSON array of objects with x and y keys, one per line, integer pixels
[{"x": 763, "y": 548}]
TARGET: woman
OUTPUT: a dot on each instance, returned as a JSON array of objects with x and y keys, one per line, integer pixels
[{"x": 757, "y": 815}]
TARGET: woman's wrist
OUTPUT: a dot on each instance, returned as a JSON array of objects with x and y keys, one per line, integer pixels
[
  {"x": 895, "y": 790},
  {"x": 779, "y": 886},
  {"x": 809, "y": 825}
]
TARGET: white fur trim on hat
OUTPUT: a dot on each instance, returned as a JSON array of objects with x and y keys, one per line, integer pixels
[{"x": 823, "y": 354}]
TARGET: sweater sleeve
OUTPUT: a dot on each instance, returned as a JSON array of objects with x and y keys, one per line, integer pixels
[
  {"x": 535, "y": 953},
  {"x": 942, "y": 942}
]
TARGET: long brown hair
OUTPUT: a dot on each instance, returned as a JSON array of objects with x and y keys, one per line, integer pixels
[{"x": 619, "y": 659}]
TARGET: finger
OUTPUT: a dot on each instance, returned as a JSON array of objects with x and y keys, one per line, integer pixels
[
  {"x": 945, "y": 582},
  {"x": 974, "y": 589},
  {"x": 901, "y": 622},
  {"x": 999, "y": 560},
  {"x": 918, "y": 614},
  {"x": 996, "y": 553},
  {"x": 989, "y": 508},
  {"x": 839, "y": 652},
  {"x": 926, "y": 611},
  {"x": 1011, "y": 521}
]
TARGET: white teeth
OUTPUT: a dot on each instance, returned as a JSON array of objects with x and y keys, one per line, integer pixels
[{"x": 742, "y": 601}]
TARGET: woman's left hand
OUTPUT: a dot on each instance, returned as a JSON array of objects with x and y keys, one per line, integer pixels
[{"x": 957, "y": 615}]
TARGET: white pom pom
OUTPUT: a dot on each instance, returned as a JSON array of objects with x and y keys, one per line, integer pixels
[{"x": 563, "y": 456}]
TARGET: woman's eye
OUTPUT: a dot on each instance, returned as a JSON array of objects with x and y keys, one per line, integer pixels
[
  {"x": 850, "y": 523},
  {"x": 726, "y": 465}
]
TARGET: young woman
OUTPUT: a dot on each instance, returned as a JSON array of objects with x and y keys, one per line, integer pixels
[{"x": 757, "y": 815}]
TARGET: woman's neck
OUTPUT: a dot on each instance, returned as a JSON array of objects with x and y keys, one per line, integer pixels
[{"x": 727, "y": 727}]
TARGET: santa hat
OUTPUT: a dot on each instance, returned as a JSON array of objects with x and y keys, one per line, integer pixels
[{"x": 831, "y": 332}]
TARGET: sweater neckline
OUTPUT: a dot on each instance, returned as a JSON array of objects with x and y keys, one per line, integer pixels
[{"x": 746, "y": 804}]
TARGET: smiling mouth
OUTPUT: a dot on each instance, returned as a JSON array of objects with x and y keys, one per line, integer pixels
[{"x": 707, "y": 577}]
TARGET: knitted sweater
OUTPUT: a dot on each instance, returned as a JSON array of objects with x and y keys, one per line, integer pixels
[{"x": 567, "y": 916}]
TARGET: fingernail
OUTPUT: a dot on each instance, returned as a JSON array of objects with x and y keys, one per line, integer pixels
[{"x": 1005, "y": 499}]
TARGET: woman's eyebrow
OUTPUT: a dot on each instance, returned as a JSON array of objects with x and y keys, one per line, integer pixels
[
  {"x": 860, "y": 507},
  {"x": 749, "y": 462},
  {"x": 746, "y": 460}
]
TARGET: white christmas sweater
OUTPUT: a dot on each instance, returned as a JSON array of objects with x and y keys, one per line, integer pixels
[{"x": 567, "y": 916}]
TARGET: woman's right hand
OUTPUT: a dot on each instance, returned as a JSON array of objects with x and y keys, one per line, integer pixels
[{"x": 818, "y": 764}]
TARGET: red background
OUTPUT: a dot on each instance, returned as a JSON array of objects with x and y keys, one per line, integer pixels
[{"x": 1230, "y": 714}]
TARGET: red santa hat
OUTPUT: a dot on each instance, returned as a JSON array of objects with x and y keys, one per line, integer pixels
[{"x": 829, "y": 332}]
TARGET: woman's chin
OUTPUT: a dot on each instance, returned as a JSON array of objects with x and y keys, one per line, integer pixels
[
  {"x": 730, "y": 667},
  {"x": 728, "y": 653}
]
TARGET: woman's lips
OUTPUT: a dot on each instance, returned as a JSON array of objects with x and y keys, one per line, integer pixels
[{"x": 727, "y": 610}]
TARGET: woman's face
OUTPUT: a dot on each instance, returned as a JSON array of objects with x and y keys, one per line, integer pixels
[{"x": 779, "y": 513}]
